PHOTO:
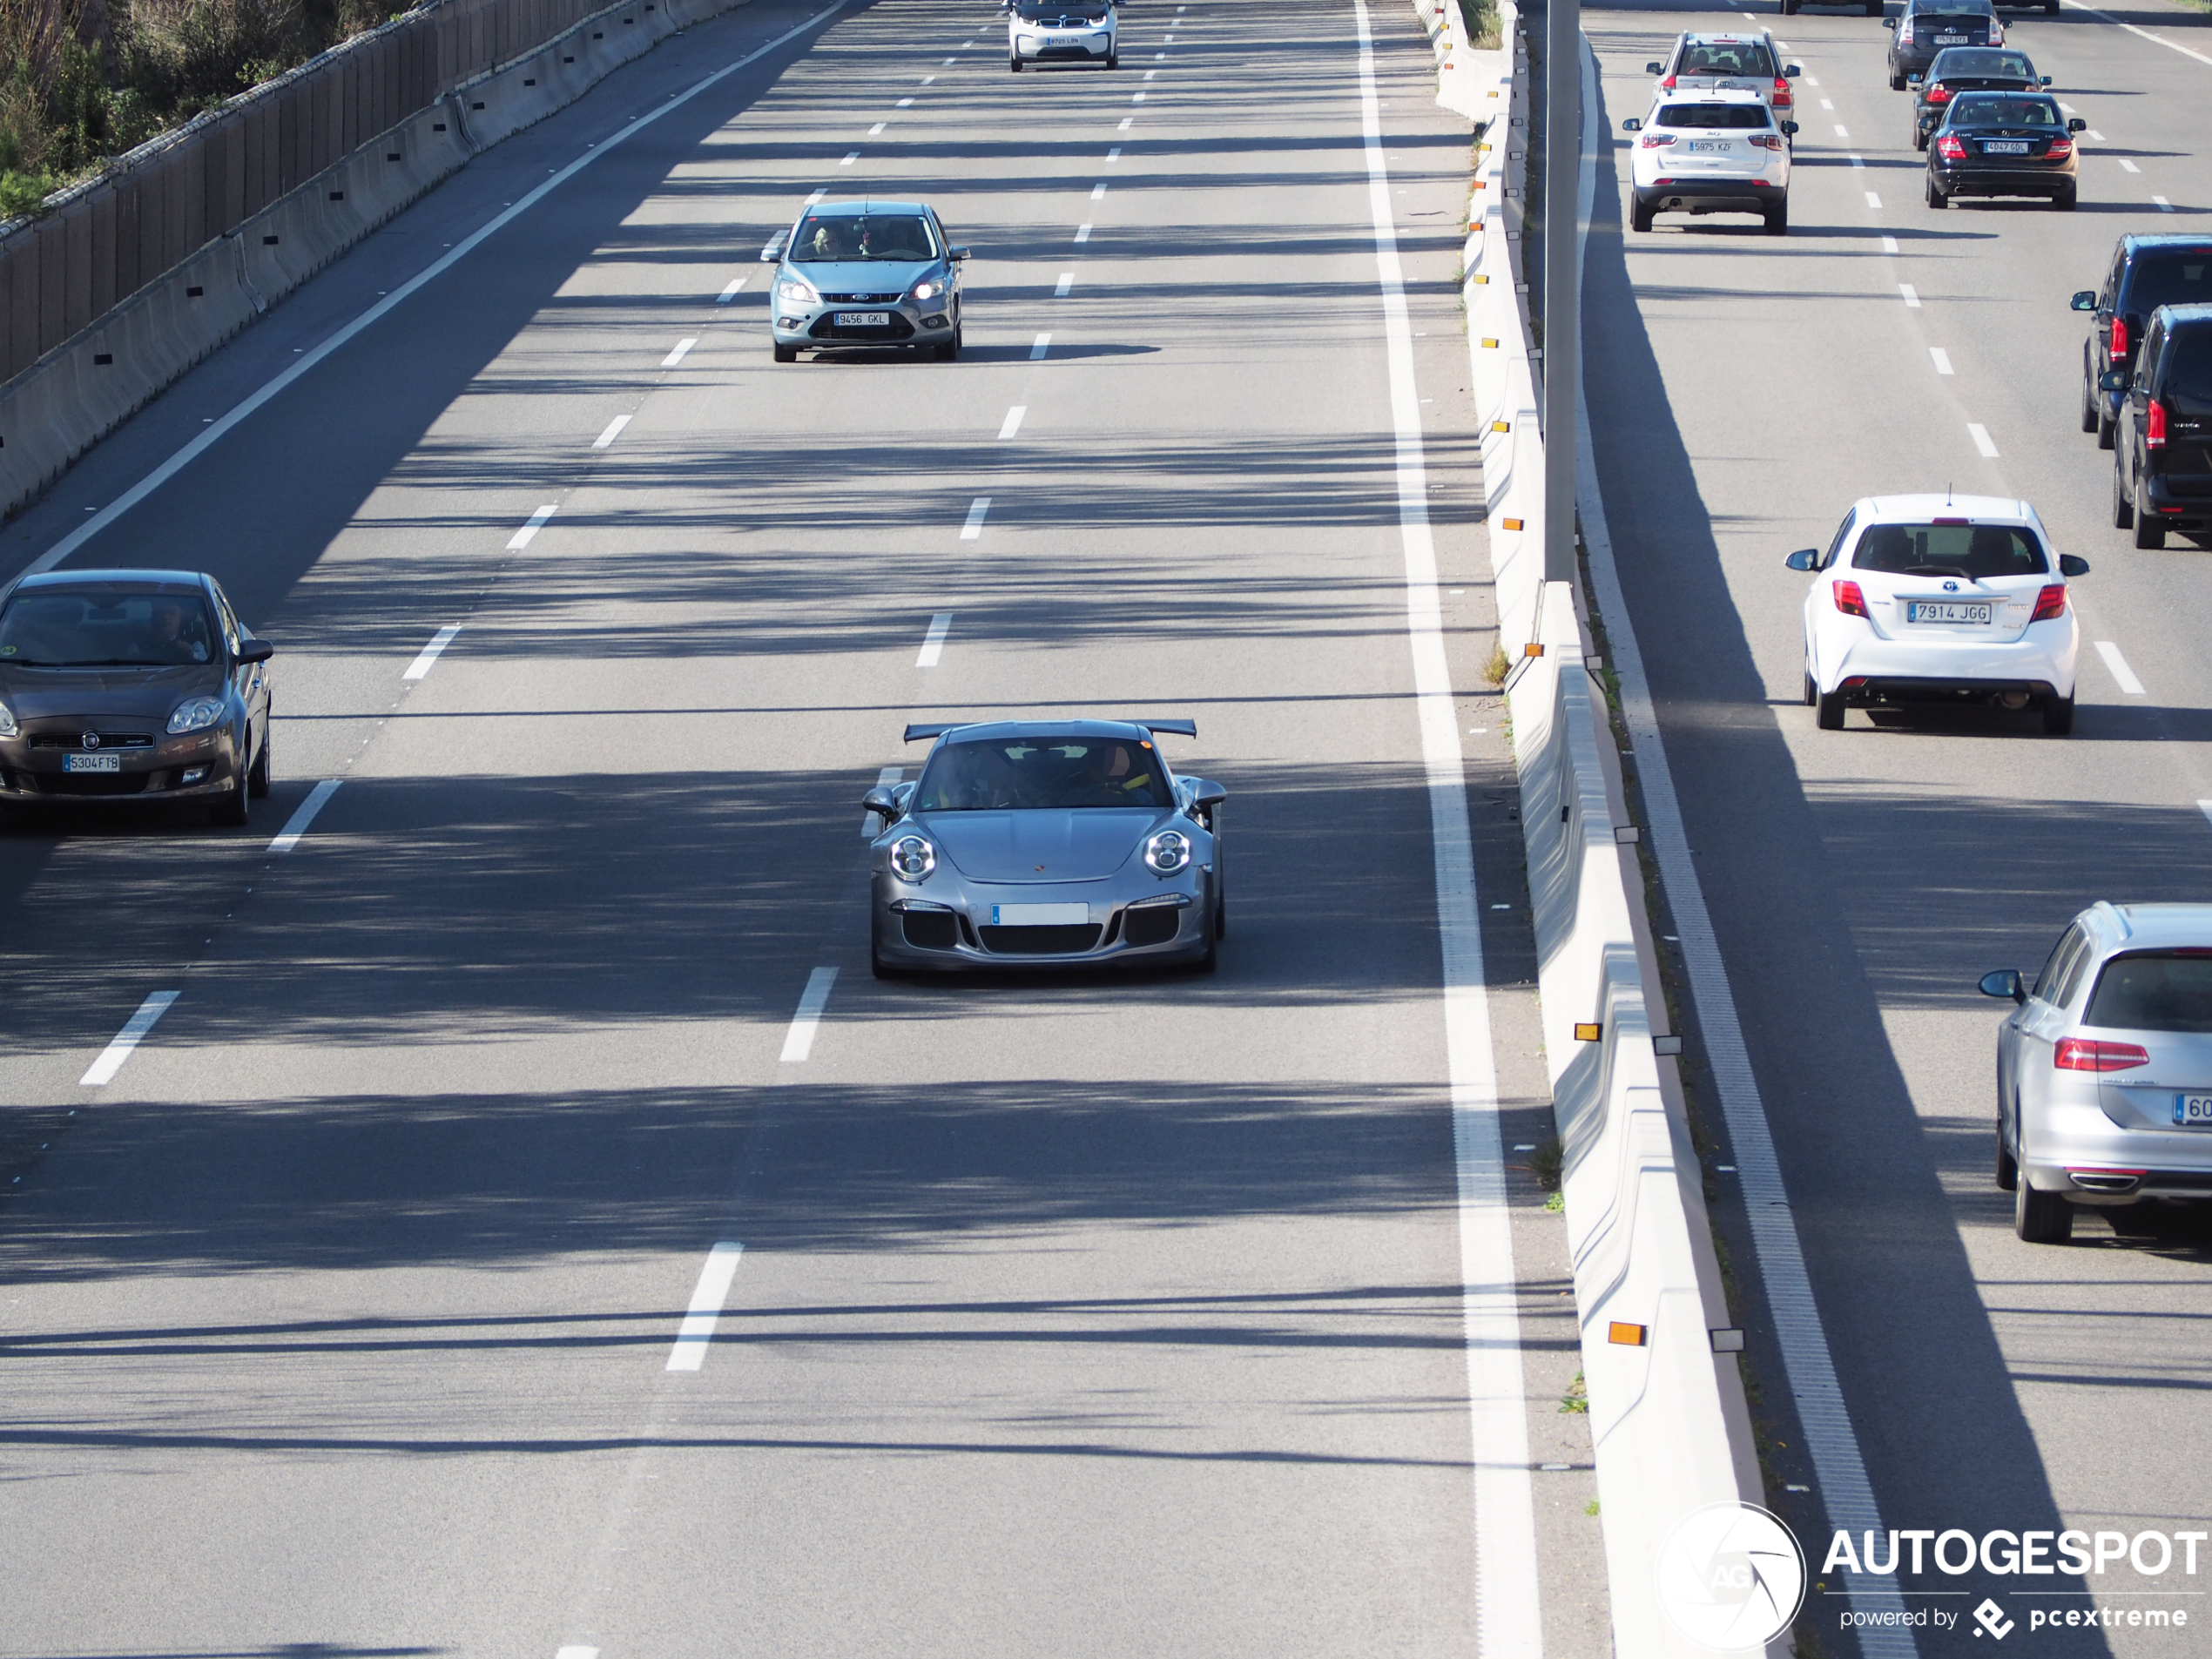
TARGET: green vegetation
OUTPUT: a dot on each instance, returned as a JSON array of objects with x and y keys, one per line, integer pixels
[
  {"x": 1482, "y": 17},
  {"x": 1575, "y": 1402},
  {"x": 82, "y": 81}
]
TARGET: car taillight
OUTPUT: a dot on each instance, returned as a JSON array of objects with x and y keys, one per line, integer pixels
[
  {"x": 2050, "y": 604},
  {"x": 2120, "y": 336},
  {"x": 2154, "y": 426},
  {"x": 1782, "y": 98},
  {"x": 1939, "y": 93},
  {"x": 1904, "y": 31},
  {"x": 2087, "y": 1054},
  {"x": 1653, "y": 140},
  {"x": 1669, "y": 84},
  {"x": 2061, "y": 148},
  {"x": 1951, "y": 149},
  {"x": 1850, "y": 600}
]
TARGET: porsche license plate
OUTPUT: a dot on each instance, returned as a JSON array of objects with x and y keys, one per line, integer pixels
[
  {"x": 1948, "y": 611},
  {"x": 2004, "y": 147},
  {"x": 91, "y": 763},
  {"x": 1040, "y": 915},
  {"x": 864, "y": 319},
  {"x": 2193, "y": 1111}
]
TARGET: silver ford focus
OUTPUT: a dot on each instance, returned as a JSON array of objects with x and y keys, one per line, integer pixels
[
  {"x": 2104, "y": 1070},
  {"x": 1047, "y": 842},
  {"x": 865, "y": 274}
]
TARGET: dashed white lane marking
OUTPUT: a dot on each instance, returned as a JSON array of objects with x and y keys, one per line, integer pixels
[
  {"x": 1012, "y": 424},
  {"x": 1858, "y": 161},
  {"x": 798, "y": 1041},
  {"x": 1941, "y": 359},
  {"x": 1161, "y": 58},
  {"x": 2123, "y": 676},
  {"x": 973, "y": 528},
  {"x": 949, "y": 62},
  {"x": 613, "y": 431},
  {"x": 928, "y": 80},
  {"x": 814, "y": 196},
  {"x": 1979, "y": 434},
  {"x": 2161, "y": 203},
  {"x": 1888, "y": 245},
  {"x": 1037, "y": 349},
  {"x": 932, "y": 642},
  {"x": 851, "y": 157},
  {"x": 1113, "y": 155},
  {"x": 876, "y": 132},
  {"x": 1067, "y": 282},
  {"x": 1149, "y": 73},
  {"x": 905, "y": 104},
  {"x": 1098, "y": 191},
  {"x": 730, "y": 292},
  {"x": 1828, "y": 104},
  {"x": 524, "y": 537},
  {"x": 1126, "y": 121},
  {"x": 1912, "y": 297},
  {"x": 966, "y": 46},
  {"x": 705, "y": 1310},
  {"x": 577, "y": 1653},
  {"x": 683, "y": 350},
  {"x": 1136, "y": 97},
  {"x": 2205, "y": 806},
  {"x": 431, "y": 652},
  {"x": 1842, "y": 131},
  {"x": 119, "y": 1046},
  {"x": 2094, "y": 135},
  {"x": 296, "y": 825},
  {"x": 1812, "y": 80},
  {"x": 869, "y": 823},
  {"x": 1873, "y": 201},
  {"x": 1082, "y": 233},
  {"x": 2129, "y": 166}
]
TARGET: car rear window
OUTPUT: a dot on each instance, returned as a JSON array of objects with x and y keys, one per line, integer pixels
[
  {"x": 2181, "y": 277},
  {"x": 2153, "y": 991},
  {"x": 902, "y": 238},
  {"x": 100, "y": 626},
  {"x": 2001, "y": 110},
  {"x": 1954, "y": 61},
  {"x": 1744, "y": 117},
  {"x": 1978, "y": 551},
  {"x": 2186, "y": 386},
  {"x": 1033, "y": 773},
  {"x": 1733, "y": 57},
  {"x": 1951, "y": 17}
]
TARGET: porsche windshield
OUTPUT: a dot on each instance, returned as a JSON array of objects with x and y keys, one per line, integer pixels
[
  {"x": 848, "y": 239},
  {"x": 1034, "y": 773},
  {"x": 105, "y": 627}
]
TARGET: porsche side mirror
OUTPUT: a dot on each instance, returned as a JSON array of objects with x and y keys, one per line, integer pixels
[
  {"x": 2077, "y": 125},
  {"x": 1651, "y": 69},
  {"x": 1792, "y": 71},
  {"x": 1789, "y": 126},
  {"x": 2070, "y": 565},
  {"x": 956, "y": 255},
  {"x": 1632, "y": 126},
  {"x": 255, "y": 651},
  {"x": 1805, "y": 558},
  {"x": 1205, "y": 793},
  {"x": 879, "y": 802},
  {"x": 2005, "y": 982},
  {"x": 2084, "y": 300},
  {"x": 2113, "y": 379}
]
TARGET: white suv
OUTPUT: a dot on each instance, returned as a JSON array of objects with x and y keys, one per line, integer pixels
[
  {"x": 1940, "y": 599},
  {"x": 1711, "y": 152},
  {"x": 1733, "y": 63},
  {"x": 1047, "y": 32}
]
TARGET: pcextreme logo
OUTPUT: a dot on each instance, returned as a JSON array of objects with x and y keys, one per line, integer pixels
[
  {"x": 2024, "y": 1557},
  {"x": 1731, "y": 1575}
]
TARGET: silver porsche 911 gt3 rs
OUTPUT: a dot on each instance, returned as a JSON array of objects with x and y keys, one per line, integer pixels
[{"x": 1059, "y": 842}]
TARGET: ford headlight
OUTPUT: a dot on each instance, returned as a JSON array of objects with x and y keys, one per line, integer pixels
[
  {"x": 924, "y": 288},
  {"x": 798, "y": 291},
  {"x": 913, "y": 858},
  {"x": 1167, "y": 852},
  {"x": 8, "y": 726},
  {"x": 194, "y": 713}
]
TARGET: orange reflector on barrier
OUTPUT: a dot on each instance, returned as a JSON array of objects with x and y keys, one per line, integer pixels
[
  {"x": 1587, "y": 1031},
  {"x": 1489, "y": 344},
  {"x": 1513, "y": 525},
  {"x": 1501, "y": 426},
  {"x": 1532, "y": 648},
  {"x": 1628, "y": 1336}
]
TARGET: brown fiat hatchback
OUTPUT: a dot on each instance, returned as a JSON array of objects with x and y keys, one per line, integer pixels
[{"x": 136, "y": 686}]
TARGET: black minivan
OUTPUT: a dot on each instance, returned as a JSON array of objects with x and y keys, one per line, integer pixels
[
  {"x": 2146, "y": 272},
  {"x": 1926, "y": 27},
  {"x": 2161, "y": 474}
]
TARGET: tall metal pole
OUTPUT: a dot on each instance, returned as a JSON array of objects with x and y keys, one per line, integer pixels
[{"x": 1563, "y": 278}]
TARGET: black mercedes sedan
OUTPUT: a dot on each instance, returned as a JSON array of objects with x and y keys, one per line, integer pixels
[
  {"x": 136, "y": 686},
  {"x": 2003, "y": 144},
  {"x": 1966, "y": 69}
]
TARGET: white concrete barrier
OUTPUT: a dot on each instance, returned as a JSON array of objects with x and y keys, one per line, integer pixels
[{"x": 1668, "y": 1414}]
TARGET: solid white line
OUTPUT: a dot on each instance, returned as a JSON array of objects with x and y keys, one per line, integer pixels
[
  {"x": 1037, "y": 350},
  {"x": 1082, "y": 233},
  {"x": 1979, "y": 434},
  {"x": 1873, "y": 201},
  {"x": 933, "y": 644},
  {"x": 877, "y": 128},
  {"x": 1941, "y": 358},
  {"x": 683, "y": 350},
  {"x": 2161, "y": 40},
  {"x": 2123, "y": 675},
  {"x": 432, "y": 651},
  {"x": 119, "y": 1046},
  {"x": 1844, "y": 1488},
  {"x": 705, "y": 1310},
  {"x": 528, "y": 534},
  {"x": 1067, "y": 282},
  {"x": 1912, "y": 296},
  {"x": 850, "y": 159},
  {"x": 1012, "y": 424},
  {"x": 216, "y": 431},
  {"x": 973, "y": 528},
  {"x": 798, "y": 1041},
  {"x": 613, "y": 431},
  {"x": 730, "y": 292},
  {"x": 1508, "y": 1622},
  {"x": 870, "y": 824},
  {"x": 1098, "y": 191},
  {"x": 296, "y": 825},
  {"x": 2129, "y": 165}
]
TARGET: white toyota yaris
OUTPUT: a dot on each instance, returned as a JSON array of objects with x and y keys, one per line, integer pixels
[{"x": 1940, "y": 599}]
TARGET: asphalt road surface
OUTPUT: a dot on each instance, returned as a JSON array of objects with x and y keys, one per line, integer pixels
[
  {"x": 1101, "y": 1317},
  {"x": 1743, "y": 391}
]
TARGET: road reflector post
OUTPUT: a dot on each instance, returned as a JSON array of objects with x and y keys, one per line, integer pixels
[
  {"x": 1628, "y": 1336},
  {"x": 1489, "y": 344},
  {"x": 1666, "y": 1045},
  {"x": 1627, "y": 834},
  {"x": 1511, "y": 524},
  {"x": 1534, "y": 648},
  {"x": 1501, "y": 426},
  {"x": 1587, "y": 1031},
  {"x": 1727, "y": 1339}
]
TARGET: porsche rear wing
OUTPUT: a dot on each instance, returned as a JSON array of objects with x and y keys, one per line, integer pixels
[{"x": 916, "y": 732}]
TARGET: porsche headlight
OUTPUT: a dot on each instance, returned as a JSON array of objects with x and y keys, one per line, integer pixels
[
  {"x": 913, "y": 858},
  {"x": 1167, "y": 852},
  {"x": 924, "y": 288},
  {"x": 8, "y": 726},
  {"x": 194, "y": 713},
  {"x": 798, "y": 291}
]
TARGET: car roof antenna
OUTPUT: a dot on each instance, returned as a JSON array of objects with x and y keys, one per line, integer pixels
[{"x": 1946, "y": 494}]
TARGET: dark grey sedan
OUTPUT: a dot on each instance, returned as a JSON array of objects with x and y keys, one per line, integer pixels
[
  {"x": 130, "y": 685},
  {"x": 1063, "y": 843},
  {"x": 866, "y": 273}
]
